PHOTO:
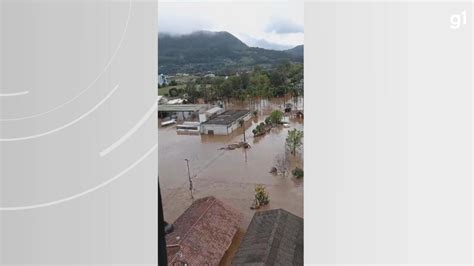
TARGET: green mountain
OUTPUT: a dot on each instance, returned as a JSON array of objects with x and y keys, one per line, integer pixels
[
  {"x": 216, "y": 52},
  {"x": 297, "y": 51}
]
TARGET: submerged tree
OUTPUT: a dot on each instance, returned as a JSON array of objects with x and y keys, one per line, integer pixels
[
  {"x": 275, "y": 117},
  {"x": 261, "y": 197},
  {"x": 298, "y": 172},
  {"x": 282, "y": 164},
  {"x": 294, "y": 140}
]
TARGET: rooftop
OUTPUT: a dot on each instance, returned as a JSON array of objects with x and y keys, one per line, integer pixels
[
  {"x": 227, "y": 117},
  {"x": 203, "y": 233},
  {"x": 274, "y": 237},
  {"x": 214, "y": 110},
  {"x": 180, "y": 107}
]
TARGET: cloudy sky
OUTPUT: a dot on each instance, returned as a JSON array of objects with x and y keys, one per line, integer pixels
[{"x": 277, "y": 25}]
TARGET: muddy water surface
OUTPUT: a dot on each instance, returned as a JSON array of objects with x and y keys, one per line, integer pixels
[{"x": 230, "y": 175}]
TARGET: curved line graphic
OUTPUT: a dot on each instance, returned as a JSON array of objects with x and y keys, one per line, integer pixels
[
  {"x": 103, "y": 184},
  {"x": 14, "y": 94},
  {"x": 65, "y": 125},
  {"x": 90, "y": 84},
  {"x": 127, "y": 135}
]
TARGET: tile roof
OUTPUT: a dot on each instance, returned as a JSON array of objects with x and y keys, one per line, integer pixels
[
  {"x": 274, "y": 237},
  {"x": 203, "y": 233}
]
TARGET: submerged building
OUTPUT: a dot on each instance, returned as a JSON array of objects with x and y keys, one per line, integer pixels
[
  {"x": 203, "y": 233},
  {"x": 181, "y": 111},
  {"x": 225, "y": 123}
]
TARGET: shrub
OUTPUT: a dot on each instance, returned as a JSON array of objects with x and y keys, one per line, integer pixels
[
  {"x": 173, "y": 92},
  {"x": 298, "y": 172},
  {"x": 268, "y": 121},
  {"x": 275, "y": 117},
  {"x": 261, "y": 196}
]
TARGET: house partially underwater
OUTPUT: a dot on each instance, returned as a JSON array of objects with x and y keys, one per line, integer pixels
[{"x": 203, "y": 233}]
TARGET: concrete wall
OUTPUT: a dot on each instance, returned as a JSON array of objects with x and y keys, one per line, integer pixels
[
  {"x": 222, "y": 129},
  {"x": 218, "y": 129}
]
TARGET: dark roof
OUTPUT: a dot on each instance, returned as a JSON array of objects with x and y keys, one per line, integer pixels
[
  {"x": 180, "y": 107},
  {"x": 274, "y": 237},
  {"x": 227, "y": 117},
  {"x": 203, "y": 233}
]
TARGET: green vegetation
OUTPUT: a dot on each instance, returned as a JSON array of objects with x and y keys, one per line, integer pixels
[
  {"x": 173, "y": 92},
  {"x": 165, "y": 90},
  {"x": 294, "y": 140},
  {"x": 275, "y": 117},
  {"x": 298, "y": 172},
  {"x": 218, "y": 52},
  {"x": 261, "y": 197},
  {"x": 285, "y": 79},
  {"x": 261, "y": 129},
  {"x": 271, "y": 121}
]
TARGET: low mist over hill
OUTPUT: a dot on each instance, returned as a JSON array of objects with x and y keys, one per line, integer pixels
[{"x": 217, "y": 52}]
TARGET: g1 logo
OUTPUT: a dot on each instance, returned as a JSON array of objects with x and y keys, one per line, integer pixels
[{"x": 457, "y": 20}]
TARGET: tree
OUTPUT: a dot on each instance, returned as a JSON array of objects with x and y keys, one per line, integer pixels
[
  {"x": 192, "y": 92},
  {"x": 260, "y": 84},
  {"x": 275, "y": 117},
  {"x": 298, "y": 172},
  {"x": 225, "y": 90},
  {"x": 173, "y": 92},
  {"x": 297, "y": 90},
  {"x": 279, "y": 91},
  {"x": 294, "y": 140}
]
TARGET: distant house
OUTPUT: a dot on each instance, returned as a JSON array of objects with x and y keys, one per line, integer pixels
[
  {"x": 182, "y": 112},
  {"x": 211, "y": 113},
  {"x": 203, "y": 233},
  {"x": 225, "y": 123},
  {"x": 162, "y": 80},
  {"x": 162, "y": 100},
  {"x": 210, "y": 75},
  {"x": 274, "y": 237}
]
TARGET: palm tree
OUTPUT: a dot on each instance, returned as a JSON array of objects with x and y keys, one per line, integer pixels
[{"x": 242, "y": 125}]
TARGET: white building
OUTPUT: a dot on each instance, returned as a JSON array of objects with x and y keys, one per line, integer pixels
[
  {"x": 162, "y": 80},
  {"x": 210, "y": 75},
  {"x": 211, "y": 113},
  {"x": 188, "y": 127},
  {"x": 225, "y": 123}
]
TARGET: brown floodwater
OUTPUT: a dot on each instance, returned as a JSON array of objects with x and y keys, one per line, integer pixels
[{"x": 231, "y": 175}]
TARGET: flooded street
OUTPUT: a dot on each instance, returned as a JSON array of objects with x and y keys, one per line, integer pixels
[{"x": 230, "y": 175}]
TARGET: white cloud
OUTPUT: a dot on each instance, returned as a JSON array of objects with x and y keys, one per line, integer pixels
[
  {"x": 284, "y": 26},
  {"x": 249, "y": 21}
]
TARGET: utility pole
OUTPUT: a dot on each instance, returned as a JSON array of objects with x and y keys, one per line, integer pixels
[
  {"x": 190, "y": 180},
  {"x": 242, "y": 125}
]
